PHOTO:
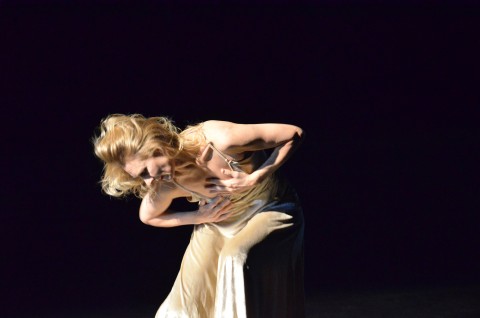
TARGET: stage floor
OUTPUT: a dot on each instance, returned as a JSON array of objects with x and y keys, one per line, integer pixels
[
  {"x": 451, "y": 302},
  {"x": 427, "y": 302}
]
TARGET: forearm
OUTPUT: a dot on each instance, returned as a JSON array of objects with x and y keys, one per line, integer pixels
[
  {"x": 172, "y": 219},
  {"x": 278, "y": 157},
  {"x": 216, "y": 210},
  {"x": 156, "y": 212}
]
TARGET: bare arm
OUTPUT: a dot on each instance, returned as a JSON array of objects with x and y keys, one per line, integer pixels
[
  {"x": 283, "y": 139},
  {"x": 155, "y": 211}
]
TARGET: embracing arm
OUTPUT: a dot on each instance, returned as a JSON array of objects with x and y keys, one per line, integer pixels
[
  {"x": 283, "y": 139},
  {"x": 155, "y": 211}
]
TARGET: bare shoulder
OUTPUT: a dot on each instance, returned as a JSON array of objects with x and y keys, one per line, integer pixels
[
  {"x": 218, "y": 125},
  {"x": 234, "y": 138},
  {"x": 219, "y": 132}
]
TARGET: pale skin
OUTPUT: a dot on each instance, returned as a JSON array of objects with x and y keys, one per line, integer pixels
[{"x": 212, "y": 177}]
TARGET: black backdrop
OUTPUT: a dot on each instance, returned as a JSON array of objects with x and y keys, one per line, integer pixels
[{"x": 386, "y": 95}]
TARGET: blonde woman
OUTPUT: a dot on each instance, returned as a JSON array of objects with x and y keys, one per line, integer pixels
[{"x": 245, "y": 256}]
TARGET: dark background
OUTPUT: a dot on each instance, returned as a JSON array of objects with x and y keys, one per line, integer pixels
[{"x": 386, "y": 93}]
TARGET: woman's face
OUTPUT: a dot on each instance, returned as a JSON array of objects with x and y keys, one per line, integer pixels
[{"x": 156, "y": 167}]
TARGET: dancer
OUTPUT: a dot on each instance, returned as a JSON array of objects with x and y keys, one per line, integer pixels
[{"x": 245, "y": 256}]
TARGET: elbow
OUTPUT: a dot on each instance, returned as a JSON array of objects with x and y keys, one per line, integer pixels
[
  {"x": 145, "y": 219},
  {"x": 152, "y": 220},
  {"x": 300, "y": 135},
  {"x": 145, "y": 215}
]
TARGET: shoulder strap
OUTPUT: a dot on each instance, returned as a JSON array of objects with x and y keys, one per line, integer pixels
[{"x": 233, "y": 164}]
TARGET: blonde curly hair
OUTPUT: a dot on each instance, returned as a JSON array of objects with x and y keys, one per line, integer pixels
[{"x": 122, "y": 136}]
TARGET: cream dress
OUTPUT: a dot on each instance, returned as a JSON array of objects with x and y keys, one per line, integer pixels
[{"x": 250, "y": 265}]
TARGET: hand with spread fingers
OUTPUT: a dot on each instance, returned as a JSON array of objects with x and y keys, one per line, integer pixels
[
  {"x": 214, "y": 211},
  {"x": 238, "y": 182}
]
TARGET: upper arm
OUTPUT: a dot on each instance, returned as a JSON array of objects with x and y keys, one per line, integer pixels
[{"x": 236, "y": 138}]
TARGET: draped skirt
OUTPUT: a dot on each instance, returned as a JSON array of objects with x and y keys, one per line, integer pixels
[{"x": 251, "y": 268}]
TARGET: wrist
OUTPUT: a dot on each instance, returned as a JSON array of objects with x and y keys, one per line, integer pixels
[
  {"x": 196, "y": 217},
  {"x": 258, "y": 176}
]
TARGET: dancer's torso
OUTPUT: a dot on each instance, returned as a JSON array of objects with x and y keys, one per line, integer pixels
[{"x": 210, "y": 163}]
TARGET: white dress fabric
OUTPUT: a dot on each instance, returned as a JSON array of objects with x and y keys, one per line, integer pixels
[{"x": 250, "y": 265}]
